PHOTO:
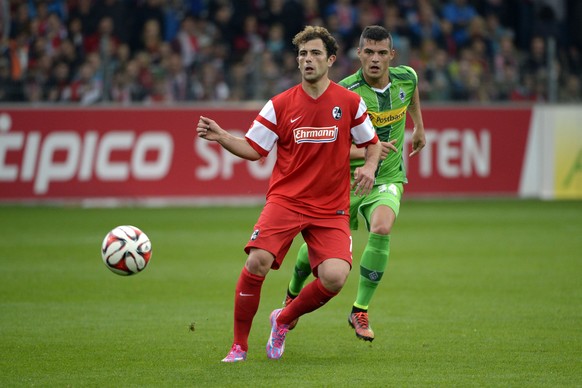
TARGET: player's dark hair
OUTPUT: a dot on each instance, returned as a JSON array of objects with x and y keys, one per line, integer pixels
[
  {"x": 375, "y": 33},
  {"x": 317, "y": 32}
]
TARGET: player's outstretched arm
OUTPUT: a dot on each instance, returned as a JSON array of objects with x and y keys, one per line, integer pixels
[
  {"x": 209, "y": 129},
  {"x": 418, "y": 136}
]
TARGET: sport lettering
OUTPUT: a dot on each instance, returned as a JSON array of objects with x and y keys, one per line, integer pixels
[
  {"x": 218, "y": 163},
  {"x": 63, "y": 156},
  {"x": 454, "y": 153}
]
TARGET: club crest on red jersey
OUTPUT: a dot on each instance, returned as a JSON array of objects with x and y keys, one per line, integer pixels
[
  {"x": 315, "y": 135},
  {"x": 336, "y": 112}
]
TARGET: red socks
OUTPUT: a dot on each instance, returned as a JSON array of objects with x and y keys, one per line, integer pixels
[
  {"x": 248, "y": 295},
  {"x": 312, "y": 296},
  {"x": 246, "y": 304}
]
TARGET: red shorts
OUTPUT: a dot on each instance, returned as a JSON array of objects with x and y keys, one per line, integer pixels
[{"x": 326, "y": 238}]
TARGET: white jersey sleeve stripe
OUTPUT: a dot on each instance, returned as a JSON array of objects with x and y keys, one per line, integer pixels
[
  {"x": 268, "y": 112},
  {"x": 362, "y": 108},
  {"x": 262, "y": 136},
  {"x": 364, "y": 132},
  {"x": 259, "y": 133}
]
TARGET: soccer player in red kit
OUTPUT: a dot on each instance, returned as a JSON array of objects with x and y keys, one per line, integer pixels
[{"x": 313, "y": 126}]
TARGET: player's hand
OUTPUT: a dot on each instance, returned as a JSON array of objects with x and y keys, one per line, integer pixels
[
  {"x": 208, "y": 129},
  {"x": 363, "y": 180},
  {"x": 418, "y": 141},
  {"x": 388, "y": 146}
]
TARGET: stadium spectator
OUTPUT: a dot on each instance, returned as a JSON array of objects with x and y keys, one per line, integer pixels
[
  {"x": 535, "y": 61},
  {"x": 312, "y": 12},
  {"x": 147, "y": 24},
  {"x": 249, "y": 40},
  {"x": 424, "y": 24},
  {"x": 19, "y": 22},
  {"x": 67, "y": 53},
  {"x": 346, "y": 15},
  {"x": 526, "y": 90},
  {"x": 271, "y": 75},
  {"x": 151, "y": 40},
  {"x": 55, "y": 32},
  {"x": 367, "y": 14},
  {"x": 238, "y": 77},
  {"x": 76, "y": 36},
  {"x": 438, "y": 83},
  {"x": 42, "y": 8},
  {"x": 117, "y": 12},
  {"x": 104, "y": 39},
  {"x": 19, "y": 53},
  {"x": 506, "y": 64},
  {"x": 86, "y": 88},
  {"x": 291, "y": 15},
  {"x": 186, "y": 41},
  {"x": 139, "y": 80},
  {"x": 120, "y": 91},
  {"x": 58, "y": 87},
  {"x": 86, "y": 15},
  {"x": 399, "y": 29},
  {"x": 212, "y": 83},
  {"x": 177, "y": 82},
  {"x": 573, "y": 59},
  {"x": 572, "y": 90},
  {"x": 11, "y": 90},
  {"x": 448, "y": 41},
  {"x": 275, "y": 43},
  {"x": 459, "y": 13},
  {"x": 222, "y": 17},
  {"x": 494, "y": 32}
]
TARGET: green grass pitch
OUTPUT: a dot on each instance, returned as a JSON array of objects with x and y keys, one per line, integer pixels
[{"x": 477, "y": 293}]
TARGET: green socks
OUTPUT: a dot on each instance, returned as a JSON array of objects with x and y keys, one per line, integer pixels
[
  {"x": 372, "y": 267},
  {"x": 301, "y": 271}
]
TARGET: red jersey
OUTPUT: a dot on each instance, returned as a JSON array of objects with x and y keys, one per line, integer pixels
[{"x": 313, "y": 138}]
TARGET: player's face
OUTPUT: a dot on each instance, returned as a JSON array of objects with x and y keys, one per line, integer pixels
[
  {"x": 313, "y": 60},
  {"x": 375, "y": 57}
]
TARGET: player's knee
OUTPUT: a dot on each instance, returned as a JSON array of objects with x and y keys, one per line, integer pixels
[
  {"x": 382, "y": 220},
  {"x": 332, "y": 286},
  {"x": 333, "y": 277},
  {"x": 259, "y": 262},
  {"x": 381, "y": 229}
]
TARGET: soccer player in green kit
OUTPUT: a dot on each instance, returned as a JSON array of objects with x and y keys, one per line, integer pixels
[{"x": 389, "y": 93}]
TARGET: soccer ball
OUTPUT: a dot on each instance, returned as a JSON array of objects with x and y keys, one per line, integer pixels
[{"x": 126, "y": 250}]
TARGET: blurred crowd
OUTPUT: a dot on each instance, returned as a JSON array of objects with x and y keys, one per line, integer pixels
[{"x": 163, "y": 51}]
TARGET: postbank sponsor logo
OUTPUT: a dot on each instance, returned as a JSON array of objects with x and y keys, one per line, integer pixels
[{"x": 383, "y": 119}]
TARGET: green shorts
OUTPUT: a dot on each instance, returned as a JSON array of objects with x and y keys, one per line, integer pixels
[{"x": 385, "y": 194}]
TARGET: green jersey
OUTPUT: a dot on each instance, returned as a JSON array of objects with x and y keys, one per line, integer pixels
[{"x": 387, "y": 110}]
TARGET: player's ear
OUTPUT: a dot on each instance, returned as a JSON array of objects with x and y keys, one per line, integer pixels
[{"x": 330, "y": 60}]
